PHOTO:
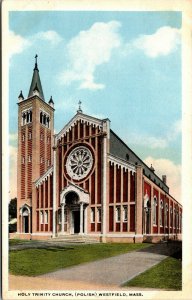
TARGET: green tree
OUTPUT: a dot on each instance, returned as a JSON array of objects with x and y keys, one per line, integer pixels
[{"x": 13, "y": 208}]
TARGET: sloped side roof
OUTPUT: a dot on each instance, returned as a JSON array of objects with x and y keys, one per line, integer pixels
[
  {"x": 119, "y": 149},
  {"x": 36, "y": 84}
]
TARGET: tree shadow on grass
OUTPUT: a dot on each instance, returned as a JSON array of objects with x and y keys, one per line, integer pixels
[{"x": 168, "y": 248}]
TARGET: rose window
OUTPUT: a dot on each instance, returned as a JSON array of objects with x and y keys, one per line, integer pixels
[{"x": 79, "y": 163}]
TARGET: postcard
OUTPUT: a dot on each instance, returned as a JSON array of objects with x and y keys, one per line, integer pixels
[{"x": 96, "y": 156}]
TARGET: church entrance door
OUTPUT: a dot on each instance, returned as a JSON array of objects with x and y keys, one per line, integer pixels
[
  {"x": 26, "y": 224},
  {"x": 76, "y": 221}
]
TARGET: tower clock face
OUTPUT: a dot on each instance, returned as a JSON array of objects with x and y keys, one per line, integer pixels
[{"x": 79, "y": 162}]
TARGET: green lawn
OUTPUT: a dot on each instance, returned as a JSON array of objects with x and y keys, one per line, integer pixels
[
  {"x": 33, "y": 262},
  {"x": 166, "y": 275},
  {"x": 13, "y": 242}
]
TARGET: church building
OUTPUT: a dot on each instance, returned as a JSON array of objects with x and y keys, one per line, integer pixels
[{"x": 84, "y": 181}]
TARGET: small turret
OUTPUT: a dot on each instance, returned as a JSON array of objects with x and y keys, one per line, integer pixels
[
  {"x": 20, "y": 97},
  {"x": 51, "y": 103}
]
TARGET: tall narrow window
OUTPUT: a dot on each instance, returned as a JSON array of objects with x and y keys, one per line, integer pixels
[
  {"x": 30, "y": 135},
  {"x": 154, "y": 211},
  {"x": 118, "y": 214},
  {"x": 41, "y": 217},
  {"x": 41, "y": 117},
  {"x": 99, "y": 214},
  {"x": 46, "y": 217},
  {"x": 92, "y": 214},
  {"x": 174, "y": 217},
  {"x": 125, "y": 213},
  {"x": 171, "y": 216},
  {"x": 29, "y": 159},
  {"x": 166, "y": 217},
  {"x": 161, "y": 213},
  {"x": 23, "y": 137}
]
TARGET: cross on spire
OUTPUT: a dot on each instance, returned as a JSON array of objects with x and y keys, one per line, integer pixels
[
  {"x": 79, "y": 109},
  {"x": 36, "y": 67}
]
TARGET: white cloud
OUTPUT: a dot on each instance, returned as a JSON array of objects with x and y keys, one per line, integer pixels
[
  {"x": 171, "y": 170},
  {"x": 147, "y": 140},
  {"x": 155, "y": 142},
  {"x": 163, "y": 42},
  {"x": 88, "y": 50},
  {"x": 13, "y": 137},
  {"x": 67, "y": 104},
  {"x": 17, "y": 43},
  {"x": 13, "y": 171},
  {"x": 52, "y": 36}
]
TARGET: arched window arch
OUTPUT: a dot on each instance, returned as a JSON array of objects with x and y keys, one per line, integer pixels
[{"x": 155, "y": 210}]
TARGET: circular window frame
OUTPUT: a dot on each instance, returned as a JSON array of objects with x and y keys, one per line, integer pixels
[{"x": 69, "y": 152}]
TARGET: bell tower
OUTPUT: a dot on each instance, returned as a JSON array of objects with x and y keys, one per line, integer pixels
[{"x": 35, "y": 139}]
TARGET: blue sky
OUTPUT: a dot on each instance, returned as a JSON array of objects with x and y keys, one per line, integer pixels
[{"x": 122, "y": 65}]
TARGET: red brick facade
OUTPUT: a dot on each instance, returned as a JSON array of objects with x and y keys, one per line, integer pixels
[{"x": 74, "y": 183}]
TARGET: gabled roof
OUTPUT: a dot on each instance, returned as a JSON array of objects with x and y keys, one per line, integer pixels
[
  {"x": 36, "y": 83},
  {"x": 80, "y": 117},
  {"x": 119, "y": 149}
]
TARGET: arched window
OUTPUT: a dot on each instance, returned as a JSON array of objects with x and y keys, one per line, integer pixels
[
  {"x": 118, "y": 214},
  {"x": 155, "y": 211},
  {"x": 92, "y": 214},
  {"x": 46, "y": 217},
  {"x": 44, "y": 119},
  {"x": 174, "y": 217},
  {"x": 171, "y": 216},
  {"x": 177, "y": 219},
  {"x": 41, "y": 117},
  {"x": 166, "y": 214},
  {"x": 23, "y": 118},
  {"x": 41, "y": 217},
  {"x": 48, "y": 122},
  {"x": 161, "y": 213},
  {"x": 125, "y": 213}
]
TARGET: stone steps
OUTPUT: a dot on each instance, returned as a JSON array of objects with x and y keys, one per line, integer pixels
[{"x": 79, "y": 239}]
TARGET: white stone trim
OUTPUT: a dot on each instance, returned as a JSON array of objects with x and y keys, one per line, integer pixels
[
  {"x": 82, "y": 118},
  {"x": 41, "y": 233},
  {"x": 158, "y": 234},
  {"x": 83, "y": 195},
  {"x": 121, "y": 163},
  {"x": 126, "y": 235},
  {"x": 44, "y": 177}
]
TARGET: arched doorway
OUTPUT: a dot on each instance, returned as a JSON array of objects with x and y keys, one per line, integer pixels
[
  {"x": 74, "y": 200},
  {"x": 25, "y": 216}
]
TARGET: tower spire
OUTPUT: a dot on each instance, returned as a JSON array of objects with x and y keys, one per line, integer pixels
[{"x": 36, "y": 82}]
